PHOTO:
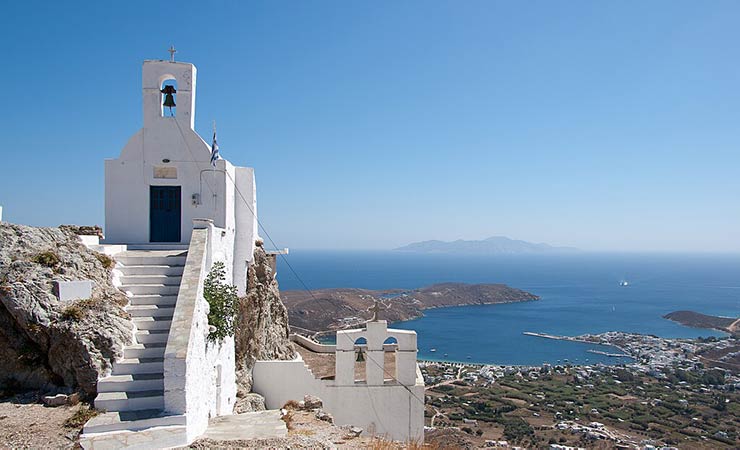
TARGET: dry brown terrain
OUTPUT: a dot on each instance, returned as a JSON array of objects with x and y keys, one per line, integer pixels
[
  {"x": 27, "y": 424},
  {"x": 331, "y": 309},
  {"x": 698, "y": 320}
]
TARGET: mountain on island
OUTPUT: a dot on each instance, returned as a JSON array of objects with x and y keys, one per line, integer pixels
[{"x": 494, "y": 245}]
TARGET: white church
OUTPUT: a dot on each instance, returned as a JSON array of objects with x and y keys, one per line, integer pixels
[{"x": 171, "y": 212}]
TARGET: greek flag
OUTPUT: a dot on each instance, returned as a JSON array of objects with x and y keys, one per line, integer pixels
[{"x": 214, "y": 151}]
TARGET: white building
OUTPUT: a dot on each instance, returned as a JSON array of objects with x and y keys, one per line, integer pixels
[
  {"x": 382, "y": 402},
  {"x": 169, "y": 216},
  {"x": 163, "y": 178}
]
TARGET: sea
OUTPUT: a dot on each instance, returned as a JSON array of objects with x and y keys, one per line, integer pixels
[{"x": 580, "y": 293}]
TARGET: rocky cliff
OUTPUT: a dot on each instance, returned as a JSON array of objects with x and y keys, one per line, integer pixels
[
  {"x": 45, "y": 343},
  {"x": 262, "y": 330}
]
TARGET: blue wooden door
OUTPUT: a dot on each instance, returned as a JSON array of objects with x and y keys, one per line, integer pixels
[{"x": 164, "y": 213}]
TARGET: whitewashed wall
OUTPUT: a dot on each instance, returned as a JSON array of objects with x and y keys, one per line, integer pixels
[
  {"x": 162, "y": 138},
  {"x": 199, "y": 377},
  {"x": 386, "y": 410},
  {"x": 246, "y": 225}
]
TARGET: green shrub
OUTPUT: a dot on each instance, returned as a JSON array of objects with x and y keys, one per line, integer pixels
[
  {"x": 73, "y": 312},
  {"x": 47, "y": 259},
  {"x": 222, "y": 299},
  {"x": 80, "y": 417},
  {"x": 105, "y": 260},
  {"x": 516, "y": 428}
]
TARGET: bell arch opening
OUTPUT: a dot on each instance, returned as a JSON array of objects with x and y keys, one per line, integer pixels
[
  {"x": 168, "y": 102},
  {"x": 360, "y": 360},
  {"x": 390, "y": 347}
]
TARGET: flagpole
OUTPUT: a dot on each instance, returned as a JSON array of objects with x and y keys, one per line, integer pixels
[{"x": 214, "y": 144}]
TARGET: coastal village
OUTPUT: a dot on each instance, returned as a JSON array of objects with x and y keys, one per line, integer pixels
[{"x": 677, "y": 393}]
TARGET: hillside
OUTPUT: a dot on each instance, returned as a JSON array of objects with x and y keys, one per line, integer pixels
[
  {"x": 491, "y": 246},
  {"x": 331, "y": 309},
  {"x": 698, "y": 320}
]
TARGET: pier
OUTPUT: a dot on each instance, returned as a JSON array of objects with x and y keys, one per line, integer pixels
[
  {"x": 624, "y": 354},
  {"x": 611, "y": 355}
]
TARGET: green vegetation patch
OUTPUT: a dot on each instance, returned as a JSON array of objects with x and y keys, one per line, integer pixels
[
  {"x": 105, "y": 260},
  {"x": 80, "y": 417},
  {"x": 47, "y": 259},
  {"x": 222, "y": 299}
]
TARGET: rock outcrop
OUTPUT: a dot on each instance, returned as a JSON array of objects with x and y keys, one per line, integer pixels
[
  {"x": 262, "y": 330},
  {"x": 45, "y": 343}
]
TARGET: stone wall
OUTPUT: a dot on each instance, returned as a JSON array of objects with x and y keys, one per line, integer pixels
[
  {"x": 45, "y": 343},
  {"x": 199, "y": 378}
]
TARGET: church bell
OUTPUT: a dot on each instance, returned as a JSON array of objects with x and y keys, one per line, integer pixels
[
  {"x": 360, "y": 356},
  {"x": 169, "y": 100}
]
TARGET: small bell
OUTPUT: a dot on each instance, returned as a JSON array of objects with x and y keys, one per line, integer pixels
[
  {"x": 360, "y": 356},
  {"x": 169, "y": 99}
]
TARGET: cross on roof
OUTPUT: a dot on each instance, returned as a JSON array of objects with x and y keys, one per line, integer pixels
[
  {"x": 375, "y": 309},
  {"x": 172, "y": 53}
]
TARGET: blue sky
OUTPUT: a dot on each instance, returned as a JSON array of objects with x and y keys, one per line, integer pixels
[{"x": 600, "y": 125}]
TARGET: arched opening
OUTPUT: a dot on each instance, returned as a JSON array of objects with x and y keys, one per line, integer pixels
[
  {"x": 390, "y": 346},
  {"x": 168, "y": 100},
  {"x": 360, "y": 360}
]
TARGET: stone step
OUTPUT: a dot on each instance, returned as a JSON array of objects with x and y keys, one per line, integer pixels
[
  {"x": 131, "y": 421},
  {"x": 130, "y": 401},
  {"x": 152, "y": 336},
  {"x": 150, "y": 311},
  {"x": 159, "y": 300},
  {"x": 131, "y": 383},
  {"x": 151, "y": 270},
  {"x": 152, "y": 350},
  {"x": 150, "y": 260},
  {"x": 150, "y": 289},
  {"x": 150, "y": 323},
  {"x": 166, "y": 248},
  {"x": 167, "y": 280},
  {"x": 246, "y": 426},
  {"x": 135, "y": 366}
]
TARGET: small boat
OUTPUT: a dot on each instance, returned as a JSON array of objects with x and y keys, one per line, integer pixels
[
  {"x": 433, "y": 350},
  {"x": 469, "y": 357},
  {"x": 445, "y": 355},
  {"x": 624, "y": 283}
]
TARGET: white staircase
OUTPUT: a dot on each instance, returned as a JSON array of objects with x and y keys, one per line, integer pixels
[{"x": 133, "y": 395}]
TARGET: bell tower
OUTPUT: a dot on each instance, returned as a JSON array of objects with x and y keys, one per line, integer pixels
[{"x": 155, "y": 75}]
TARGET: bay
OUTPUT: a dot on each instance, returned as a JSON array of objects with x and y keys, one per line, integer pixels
[{"x": 580, "y": 293}]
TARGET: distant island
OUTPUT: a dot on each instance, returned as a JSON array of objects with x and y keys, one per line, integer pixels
[
  {"x": 331, "y": 309},
  {"x": 496, "y": 245},
  {"x": 697, "y": 320}
]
